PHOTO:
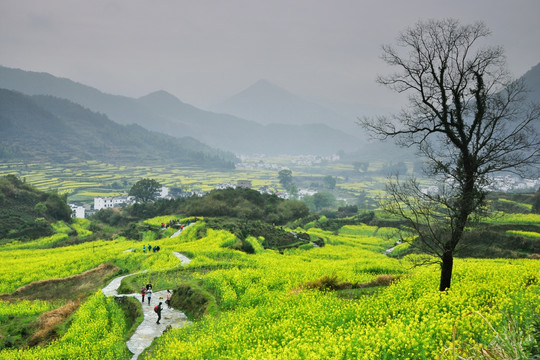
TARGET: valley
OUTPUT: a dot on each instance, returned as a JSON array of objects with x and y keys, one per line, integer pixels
[{"x": 337, "y": 294}]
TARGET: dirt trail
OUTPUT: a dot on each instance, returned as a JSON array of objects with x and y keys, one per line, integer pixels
[{"x": 148, "y": 330}]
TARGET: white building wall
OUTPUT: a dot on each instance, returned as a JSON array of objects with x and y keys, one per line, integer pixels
[
  {"x": 99, "y": 203},
  {"x": 109, "y": 202},
  {"x": 79, "y": 212},
  {"x": 164, "y": 192}
]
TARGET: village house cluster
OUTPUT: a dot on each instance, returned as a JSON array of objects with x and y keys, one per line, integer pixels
[{"x": 81, "y": 211}]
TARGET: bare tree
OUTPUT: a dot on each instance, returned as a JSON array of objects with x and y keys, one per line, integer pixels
[{"x": 466, "y": 117}]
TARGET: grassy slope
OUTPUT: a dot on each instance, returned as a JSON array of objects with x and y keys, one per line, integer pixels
[{"x": 65, "y": 294}]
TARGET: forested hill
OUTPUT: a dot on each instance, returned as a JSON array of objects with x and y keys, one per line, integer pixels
[
  {"x": 26, "y": 212},
  {"x": 45, "y": 128}
]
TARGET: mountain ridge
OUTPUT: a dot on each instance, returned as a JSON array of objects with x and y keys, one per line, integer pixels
[
  {"x": 47, "y": 128},
  {"x": 162, "y": 112}
]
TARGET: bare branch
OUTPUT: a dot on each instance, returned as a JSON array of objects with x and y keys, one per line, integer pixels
[{"x": 465, "y": 116}]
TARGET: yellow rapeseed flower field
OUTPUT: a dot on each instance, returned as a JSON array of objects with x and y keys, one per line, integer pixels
[{"x": 266, "y": 312}]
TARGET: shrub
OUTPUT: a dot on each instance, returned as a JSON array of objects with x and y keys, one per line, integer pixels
[
  {"x": 384, "y": 280},
  {"x": 194, "y": 301}
]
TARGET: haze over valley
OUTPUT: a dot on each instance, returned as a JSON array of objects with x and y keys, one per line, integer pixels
[{"x": 263, "y": 119}]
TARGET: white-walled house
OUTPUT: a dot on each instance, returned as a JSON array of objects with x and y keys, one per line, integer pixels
[
  {"x": 77, "y": 211},
  {"x": 108, "y": 202},
  {"x": 112, "y": 202}
]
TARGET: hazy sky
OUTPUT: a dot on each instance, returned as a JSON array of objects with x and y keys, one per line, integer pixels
[{"x": 203, "y": 51}]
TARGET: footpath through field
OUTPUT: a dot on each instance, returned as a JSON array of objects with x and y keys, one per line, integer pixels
[{"x": 148, "y": 330}]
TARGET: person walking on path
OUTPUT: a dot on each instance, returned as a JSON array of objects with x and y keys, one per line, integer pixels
[
  {"x": 157, "y": 309},
  {"x": 143, "y": 292},
  {"x": 149, "y": 295},
  {"x": 168, "y": 302}
]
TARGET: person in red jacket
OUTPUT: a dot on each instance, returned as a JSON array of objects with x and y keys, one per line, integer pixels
[{"x": 157, "y": 309}]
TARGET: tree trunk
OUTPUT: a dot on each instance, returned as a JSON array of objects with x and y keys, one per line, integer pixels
[{"x": 446, "y": 270}]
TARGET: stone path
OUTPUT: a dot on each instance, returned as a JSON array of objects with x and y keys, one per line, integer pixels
[
  {"x": 176, "y": 233},
  {"x": 184, "y": 259},
  {"x": 112, "y": 288},
  {"x": 148, "y": 330},
  {"x": 388, "y": 251}
]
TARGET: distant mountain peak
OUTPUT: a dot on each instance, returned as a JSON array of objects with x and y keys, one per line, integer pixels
[
  {"x": 162, "y": 102},
  {"x": 265, "y": 83},
  {"x": 264, "y": 87},
  {"x": 262, "y": 82},
  {"x": 159, "y": 93},
  {"x": 268, "y": 103}
]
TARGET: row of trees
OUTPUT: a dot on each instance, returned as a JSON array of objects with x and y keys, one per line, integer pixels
[{"x": 235, "y": 203}]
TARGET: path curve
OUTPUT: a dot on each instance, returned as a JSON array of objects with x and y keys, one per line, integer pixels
[
  {"x": 112, "y": 288},
  {"x": 177, "y": 233},
  {"x": 148, "y": 330},
  {"x": 184, "y": 259}
]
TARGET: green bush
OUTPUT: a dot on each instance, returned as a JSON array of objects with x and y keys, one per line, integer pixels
[
  {"x": 22, "y": 205},
  {"x": 193, "y": 301}
]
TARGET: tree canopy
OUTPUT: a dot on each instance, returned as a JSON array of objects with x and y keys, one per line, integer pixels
[
  {"x": 285, "y": 178},
  {"x": 26, "y": 213},
  {"x": 145, "y": 190}
]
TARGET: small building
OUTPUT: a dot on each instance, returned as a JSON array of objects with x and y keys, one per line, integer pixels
[
  {"x": 109, "y": 202},
  {"x": 77, "y": 211}
]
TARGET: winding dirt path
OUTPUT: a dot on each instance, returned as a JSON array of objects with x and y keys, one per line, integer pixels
[{"x": 148, "y": 330}]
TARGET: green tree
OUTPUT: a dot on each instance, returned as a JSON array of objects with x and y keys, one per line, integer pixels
[
  {"x": 329, "y": 182},
  {"x": 40, "y": 208},
  {"x": 293, "y": 191},
  {"x": 145, "y": 190},
  {"x": 291, "y": 210},
  {"x": 285, "y": 178},
  {"x": 323, "y": 200},
  {"x": 466, "y": 116},
  {"x": 57, "y": 206}
]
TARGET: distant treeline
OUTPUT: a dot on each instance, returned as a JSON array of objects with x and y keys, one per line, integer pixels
[{"x": 233, "y": 203}]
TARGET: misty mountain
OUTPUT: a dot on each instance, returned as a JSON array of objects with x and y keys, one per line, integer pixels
[
  {"x": 162, "y": 112},
  {"x": 45, "y": 128},
  {"x": 267, "y": 103},
  {"x": 532, "y": 81},
  {"x": 244, "y": 136}
]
